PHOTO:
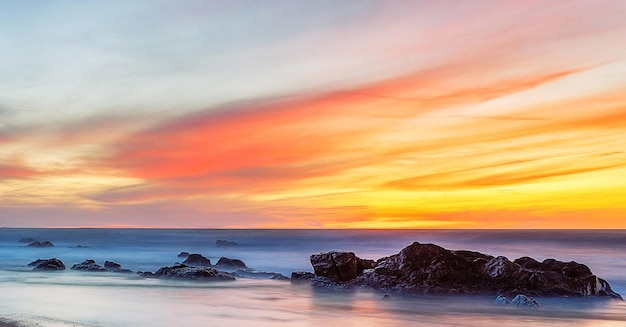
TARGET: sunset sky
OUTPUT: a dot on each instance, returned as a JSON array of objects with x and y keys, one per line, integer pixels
[{"x": 313, "y": 114}]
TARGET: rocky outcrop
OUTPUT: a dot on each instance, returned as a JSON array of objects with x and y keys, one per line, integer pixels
[
  {"x": 44, "y": 244},
  {"x": 523, "y": 301},
  {"x": 428, "y": 268},
  {"x": 183, "y": 254},
  {"x": 191, "y": 273},
  {"x": 197, "y": 260},
  {"x": 115, "y": 267},
  {"x": 47, "y": 264},
  {"x": 230, "y": 263},
  {"x": 302, "y": 276},
  {"x": 225, "y": 243},
  {"x": 88, "y": 265}
]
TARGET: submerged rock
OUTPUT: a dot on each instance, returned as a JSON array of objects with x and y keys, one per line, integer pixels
[
  {"x": 38, "y": 244},
  {"x": 223, "y": 243},
  {"x": 260, "y": 275},
  {"x": 230, "y": 263},
  {"x": 192, "y": 273},
  {"x": 197, "y": 260},
  {"x": 523, "y": 301},
  {"x": 428, "y": 268},
  {"x": 27, "y": 240},
  {"x": 47, "y": 264}
]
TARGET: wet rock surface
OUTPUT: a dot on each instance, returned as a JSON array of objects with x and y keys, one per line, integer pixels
[
  {"x": 428, "y": 268},
  {"x": 230, "y": 263},
  {"x": 197, "y": 260},
  {"x": 186, "y": 272}
]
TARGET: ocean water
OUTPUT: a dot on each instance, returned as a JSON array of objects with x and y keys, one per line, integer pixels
[{"x": 76, "y": 298}]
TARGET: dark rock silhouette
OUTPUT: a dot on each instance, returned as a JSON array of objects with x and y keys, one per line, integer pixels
[
  {"x": 183, "y": 254},
  {"x": 38, "y": 244},
  {"x": 224, "y": 243},
  {"x": 88, "y": 265},
  {"x": 230, "y": 263},
  {"x": 27, "y": 240},
  {"x": 191, "y": 273},
  {"x": 428, "y": 268},
  {"x": 47, "y": 264},
  {"x": 302, "y": 276},
  {"x": 197, "y": 260},
  {"x": 115, "y": 267}
]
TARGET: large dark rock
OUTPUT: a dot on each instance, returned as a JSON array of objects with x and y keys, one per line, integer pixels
[
  {"x": 428, "y": 268},
  {"x": 44, "y": 244},
  {"x": 230, "y": 263},
  {"x": 197, "y": 260},
  {"x": 336, "y": 265},
  {"x": 192, "y": 273},
  {"x": 88, "y": 265},
  {"x": 47, "y": 264}
]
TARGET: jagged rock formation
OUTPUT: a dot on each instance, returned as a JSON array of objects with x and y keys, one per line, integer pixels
[
  {"x": 428, "y": 268},
  {"x": 91, "y": 265}
]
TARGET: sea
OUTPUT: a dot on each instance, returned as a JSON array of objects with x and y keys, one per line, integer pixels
[{"x": 80, "y": 298}]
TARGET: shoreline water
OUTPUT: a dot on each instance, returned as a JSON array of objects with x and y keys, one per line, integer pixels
[{"x": 74, "y": 298}]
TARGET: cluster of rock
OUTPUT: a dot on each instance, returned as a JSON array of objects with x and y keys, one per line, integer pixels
[
  {"x": 519, "y": 301},
  {"x": 109, "y": 266},
  {"x": 225, "y": 243},
  {"x": 428, "y": 268},
  {"x": 183, "y": 271}
]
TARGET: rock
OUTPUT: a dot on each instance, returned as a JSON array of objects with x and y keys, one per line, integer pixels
[
  {"x": 336, "y": 265},
  {"x": 428, "y": 268},
  {"x": 230, "y": 263},
  {"x": 27, "y": 240},
  {"x": 44, "y": 244},
  {"x": 183, "y": 254},
  {"x": 88, "y": 265},
  {"x": 115, "y": 267},
  {"x": 301, "y": 276},
  {"x": 197, "y": 260},
  {"x": 224, "y": 243},
  {"x": 260, "y": 275},
  {"x": 523, "y": 301},
  {"x": 193, "y": 273},
  {"x": 81, "y": 247},
  {"x": 501, "y": 300},
  {"x": 47, "y": 264}
]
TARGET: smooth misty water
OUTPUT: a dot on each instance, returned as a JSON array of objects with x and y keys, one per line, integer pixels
[{"x": 71, "y": 298}]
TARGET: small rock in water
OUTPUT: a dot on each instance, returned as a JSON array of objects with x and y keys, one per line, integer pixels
[
  {"x": 197, "y": 260},
  {"x": 523, "y": 301},
  {"x": 386, "y": 297},
  {"x": 115, "y": 267},
  {"x": 183, "y": 254},
  {"x": 47, "y": 264},
  {"x": 44, "y": 244},
  {"x": 219, "y": 243},
  {"x": 88, "y": 265},
  {"x": 231, "y": 263},
  {"x": 501, "y": 300},
  {"x": 302, "y": 276}
]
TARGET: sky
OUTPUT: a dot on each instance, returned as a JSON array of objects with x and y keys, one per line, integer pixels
[{"x": 313, "y": 114}]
